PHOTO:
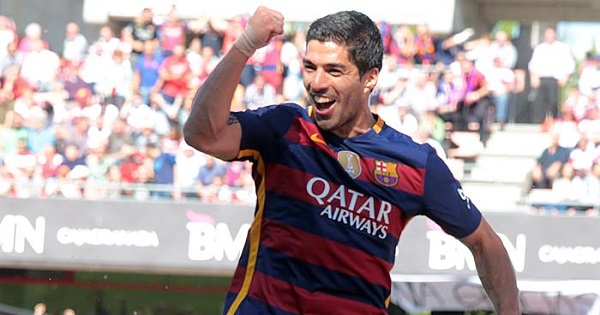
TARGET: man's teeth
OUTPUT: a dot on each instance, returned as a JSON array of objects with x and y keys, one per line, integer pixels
[{"x": 322, "y": 100}]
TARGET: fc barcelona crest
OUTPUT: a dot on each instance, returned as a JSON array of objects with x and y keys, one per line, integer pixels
[
  {"x": 351, "y": 163},
  {"x": 386, "y": 173}
]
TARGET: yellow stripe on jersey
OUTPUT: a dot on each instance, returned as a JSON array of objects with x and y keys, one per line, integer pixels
[
  {"x": 255, "y": 229},
  {"x": 378, "y": 125}
]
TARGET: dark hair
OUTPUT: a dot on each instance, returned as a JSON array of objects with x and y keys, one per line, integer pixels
[{"x": 355, "y": 30}]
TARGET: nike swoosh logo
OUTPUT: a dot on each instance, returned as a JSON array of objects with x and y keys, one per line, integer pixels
[{"x": 316, "y": 138}]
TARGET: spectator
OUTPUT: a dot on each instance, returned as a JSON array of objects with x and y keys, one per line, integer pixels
[
  {"x": 569, "y": 190},
  {"x": 212, "y": 35},
  {"x": 583, "y": 156},
  {"x": 77, "y": 184},
  {"x": 8, "y": 35},
  {"x": 193, "y": 55},
  {"x": 129, "y": 161},
  {"x": 120, "y": 136},
  {"x": 402, "y": 46},
  {"x": 449, "y": 95},
  {"x": 420, "y": 94},
  {"x": 291, "y": 59},
  {"x": 39, "y": 309},
  {"x": 208, "y": 62},
  {"x": 188, "y": 161},
  {"x": 73, "y": 156},
  {"x": 142, "y": 30},
  {"x": 174, "y": 76},
  {"x": 14, "y": 131},
  {"x": 567, "y": 127},
  {"x": 29, "y": 105},
  {"x": 424, "y": 45},
  {"x": 33, "y": 34},
  {"x": 475, "y": 104},
  {"x": 135, "y": 112},
  {"x": 48, "y": 162},
  {"x": 99, "y": 163},
  {"x": 589, "y": 81},
  {"x": 21, "y": 166},
  {"x": 107, "y": 42},
  {"x": 143, "y": 176},
  {"x": 114, "y": 183},
  {"x": 550, "y": 163},
  {"x": 146, "y": 136},
  {"x": 72, "y": 82},
  {"x": 78, "y": 133},
  {"x": 75, "y": 45},
  {"x": 404, "y": 121},
  {"x": 146, "y": 71},
  {"x": 209, "y": 179},
  {"x": 500, "y": 82},
  {"x": 164, "y": 170},
  {"x": 590, "y": 125},
  {"x": 114, "y": 85},
  {"x": 40, "y": 67},
  {"x": 11, "y": 58},
  {"x": 41, "y": 135},
  {"x": 550, "y": 66},
  {"x": 172, "y": 32},
  {"x": 389, "y": 76},
  {"x": 271, "y": 67},
  {"x": 504, "y": 50},
  {"x": 260, "y": 93}
]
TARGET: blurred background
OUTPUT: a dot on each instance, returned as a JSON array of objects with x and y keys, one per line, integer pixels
[{"x": 104, "y": 209}]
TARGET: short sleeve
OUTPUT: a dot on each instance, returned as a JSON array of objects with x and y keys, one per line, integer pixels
[
  {"x": 446, "y": 202},
  {"x": 263, "y": 129}
]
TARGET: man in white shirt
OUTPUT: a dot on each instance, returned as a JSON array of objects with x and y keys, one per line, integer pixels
[
  {"x": 75, "y": 45},
  {"x": 549, "y": 67},
  {"x": 40, "y": 67}
]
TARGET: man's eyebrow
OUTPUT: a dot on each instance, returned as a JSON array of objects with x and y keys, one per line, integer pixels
[{"x": 327, "y": 65}]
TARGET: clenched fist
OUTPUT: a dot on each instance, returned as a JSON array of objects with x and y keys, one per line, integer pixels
[{"x": 263, "y": 25}]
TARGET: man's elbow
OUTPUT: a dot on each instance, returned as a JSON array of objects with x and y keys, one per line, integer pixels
[{"x": 192, "y": 136}]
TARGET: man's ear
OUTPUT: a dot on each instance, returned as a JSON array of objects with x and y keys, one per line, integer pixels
[{"x": 371, "y": 77}]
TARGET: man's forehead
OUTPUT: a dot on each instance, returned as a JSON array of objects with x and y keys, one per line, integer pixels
[{"x": 326, "y": 51}]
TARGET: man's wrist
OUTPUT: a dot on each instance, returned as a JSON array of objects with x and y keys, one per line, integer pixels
[{"x": 247, "y": 43}]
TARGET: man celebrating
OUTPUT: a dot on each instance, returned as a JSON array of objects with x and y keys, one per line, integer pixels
[{"x": 335, "y": 185}]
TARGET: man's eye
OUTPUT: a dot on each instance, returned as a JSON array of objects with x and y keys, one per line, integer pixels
[{"x": 335, "y": 72}]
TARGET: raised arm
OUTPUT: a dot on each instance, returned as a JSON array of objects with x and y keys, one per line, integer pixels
[
  {"x": 210, "y": 128},
  {"x": 494, "y": 268}
]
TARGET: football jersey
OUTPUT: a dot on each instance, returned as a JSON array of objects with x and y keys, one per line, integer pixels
[{"x": 330, "y": 212}]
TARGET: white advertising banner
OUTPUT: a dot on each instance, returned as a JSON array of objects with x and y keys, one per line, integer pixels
[{"x": 557, "y": 259}]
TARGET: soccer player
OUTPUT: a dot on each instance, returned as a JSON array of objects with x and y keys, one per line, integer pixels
[{"x": 335, "y": 185}]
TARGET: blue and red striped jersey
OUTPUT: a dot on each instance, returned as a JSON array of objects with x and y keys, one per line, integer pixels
[{"x": 330, "y": 212}]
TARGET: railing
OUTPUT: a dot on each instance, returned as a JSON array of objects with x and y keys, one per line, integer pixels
[{"x": 91, "y": 190}]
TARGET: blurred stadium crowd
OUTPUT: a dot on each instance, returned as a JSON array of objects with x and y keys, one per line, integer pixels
[{"x": 102, "y": 117}]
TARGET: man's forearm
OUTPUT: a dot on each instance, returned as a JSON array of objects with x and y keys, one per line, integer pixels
[
  {"x": 212, "y": 101},
  {"x": 498, "y": 276}
]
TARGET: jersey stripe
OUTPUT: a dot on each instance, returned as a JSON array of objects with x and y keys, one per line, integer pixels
[
  {"x": 268, "y": 289},
  {"x": 324, "y": 252},
  {"x": 255, "y": 229}
]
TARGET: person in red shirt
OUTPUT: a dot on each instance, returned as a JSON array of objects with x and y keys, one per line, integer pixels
[{"x": 174, "y": 75}]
